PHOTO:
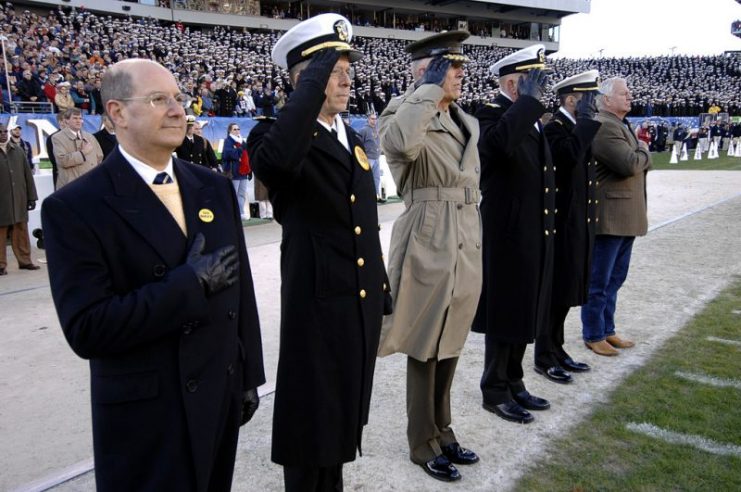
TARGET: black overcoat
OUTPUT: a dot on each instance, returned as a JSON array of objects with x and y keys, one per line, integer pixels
[
  {"x": 570, "y": 146},
  {"x": 194, "y": 151},
  {"x": 334, "y": 284},
  {"x": 163, "y": 356},
  {"x": 517, "y": 210}
]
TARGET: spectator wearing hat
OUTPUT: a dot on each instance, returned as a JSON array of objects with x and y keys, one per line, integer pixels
[
  {"x": 17, "y": 197},
  {"x": 435, "y": 253},
  {"x": 570, "y": 134},
  {"x": 193, "y": 148},
  {"x": 209, "y": 156},
  {"x": 236, "y": 163},
  {"x": 622, "y": 162},
  {"x": 517, "y": 211},
  {"x": 334, "y": 289},
  {"x": 63, "y": 99}
]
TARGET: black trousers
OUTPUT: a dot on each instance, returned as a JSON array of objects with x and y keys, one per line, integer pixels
[
  {"x": 549, "y": 344},
  {"x": 502, "y": 376},
  {"x": 313, "y": 478}
]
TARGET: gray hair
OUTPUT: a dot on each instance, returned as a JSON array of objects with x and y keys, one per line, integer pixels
[
  {"x": 606, "y": 88},
  {"x": 295, "y": 70},
  {"x": 417, "y": 64}
]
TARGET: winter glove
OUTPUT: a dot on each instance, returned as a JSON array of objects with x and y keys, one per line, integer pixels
[
  {"x": 215, "y": 271},
  {"x": 250, "y": 402},
  {"x": 320, "y": 67},
  {"x": 31, "y": 204},
  {"x": 435, "y": 72},
  {"x": 532, "y": 84},
  {"x": 586, "y": 107}
]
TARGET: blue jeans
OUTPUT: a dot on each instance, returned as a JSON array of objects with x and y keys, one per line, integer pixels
[
  {"x": 610, "y": 261},
  {"x": 240, "y": 187},
  {"x": 376, "y": 168}
]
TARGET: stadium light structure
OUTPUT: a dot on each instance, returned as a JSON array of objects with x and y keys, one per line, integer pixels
[{"x": 7, "y": 75}]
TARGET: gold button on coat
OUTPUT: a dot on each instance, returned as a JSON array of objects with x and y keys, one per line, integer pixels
[
  {"x": 361, "y": 262},
  {"x": 362, "y": 293},
  {"x": 358, "y": 230},
  {"x": 352, "y": 198}
]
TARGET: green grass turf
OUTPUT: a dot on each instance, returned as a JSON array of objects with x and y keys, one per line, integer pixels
[
  {"x": 722, "y": 163},
  {"x": 601, "y": 454}
]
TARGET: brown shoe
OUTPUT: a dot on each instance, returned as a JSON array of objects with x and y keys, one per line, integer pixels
[
  {"x": 618, "y": 342},
  {"x": 29, "y": 266},
  {"x": 601, "y": 348}
]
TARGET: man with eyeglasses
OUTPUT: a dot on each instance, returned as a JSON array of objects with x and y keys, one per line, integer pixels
[
  {"x": 151, "y": 281},
  {"x": 334, "y": 288},
  {"x": 76, "y": 151}
]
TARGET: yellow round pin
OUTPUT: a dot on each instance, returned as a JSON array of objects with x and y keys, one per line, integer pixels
[
  {"x": 362, "y": 158},
  {"x": 205, "y": 215}
]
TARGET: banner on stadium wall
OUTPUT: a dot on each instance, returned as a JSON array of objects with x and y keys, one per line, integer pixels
[{"x": 37, "y": 127}]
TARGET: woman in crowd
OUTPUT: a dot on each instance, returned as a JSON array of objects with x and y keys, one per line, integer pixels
[{"x": 236, "y": 164}]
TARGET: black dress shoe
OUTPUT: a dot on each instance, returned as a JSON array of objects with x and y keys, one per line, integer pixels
[
  {"x": 458, "y": 455},
  {"x": 555, "y": 374},
  {"x": 572, "y": 365},
  {"x": 511, "y": 411},
  {"x": 531, "y": 402},
  {"x": 442, "y": 469},
  {"x": 3, "y": 271},
  {"x": 29, "y": 266}
]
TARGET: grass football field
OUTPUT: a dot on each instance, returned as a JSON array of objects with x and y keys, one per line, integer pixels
[{"x": 674, "y": 424}]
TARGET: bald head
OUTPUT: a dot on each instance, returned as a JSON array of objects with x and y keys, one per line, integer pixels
[{"x": 119, "y": 81}]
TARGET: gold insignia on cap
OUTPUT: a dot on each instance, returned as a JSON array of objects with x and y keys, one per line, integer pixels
[
  {"x": 541, "y": 55},
  {"x": 205, "y": 215},
  {"x": 362, "y": 158},
  {"x": 341, "y": 29}
]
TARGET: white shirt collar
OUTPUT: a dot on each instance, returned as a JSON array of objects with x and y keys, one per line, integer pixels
[
  {"x": 568, "y": 115},
  {"x": 147, "y": 172},
  {"x": 339, "y": 127}
]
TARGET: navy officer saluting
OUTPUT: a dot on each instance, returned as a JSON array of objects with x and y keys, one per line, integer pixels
[
  {"x": 570, "y": 134},
  {"x": 334, "y": 286}
]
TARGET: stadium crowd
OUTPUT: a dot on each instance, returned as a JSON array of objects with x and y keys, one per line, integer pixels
[{"x": 59, "y": 58}]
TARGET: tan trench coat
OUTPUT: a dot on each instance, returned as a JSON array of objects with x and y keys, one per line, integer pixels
[
  {"x": 70, "y": 160},
  {"x": 435, "y": 255}
]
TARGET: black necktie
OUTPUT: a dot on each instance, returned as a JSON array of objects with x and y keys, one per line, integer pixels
[
  {"x": 162, "y": 178},
  {"x": 334, "y": 133}
]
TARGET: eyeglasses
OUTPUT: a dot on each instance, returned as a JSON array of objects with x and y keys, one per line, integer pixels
[
  {"x": 236, "y": 128},
  {"x": 162, "y": 100},
  {"x": 343, "y": 72}
]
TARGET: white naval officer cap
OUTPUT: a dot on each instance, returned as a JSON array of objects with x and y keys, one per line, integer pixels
[
  {"x": 520, "y": 61},
  {"x": 306, "y": 38},
  {"x": 581, "y": 82}
]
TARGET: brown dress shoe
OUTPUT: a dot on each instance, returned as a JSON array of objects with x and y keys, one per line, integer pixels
[
  {"x": 618, "y": 342},
  {"x": 29, "y": 266},
  {"x": 601, "y": 348}
]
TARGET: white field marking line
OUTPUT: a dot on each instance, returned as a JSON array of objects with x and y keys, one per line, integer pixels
[
  {"x": 58, "y": 478},
  {"x": 692, "y": 212},
  {"x": 699, "y": 442},
  {"x": 709, "y": 380},
  {"x": 724, "y": 341}
]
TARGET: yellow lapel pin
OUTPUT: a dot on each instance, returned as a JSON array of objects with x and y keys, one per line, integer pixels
[{"x": 205, "y": 215}]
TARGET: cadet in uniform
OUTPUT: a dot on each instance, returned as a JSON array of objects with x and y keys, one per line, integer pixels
[
  {"x": 435, "y": 256},
  {"x": 334, "y": 286},
  {"x": 517, "y": 209},
  {"x": 193, "y": 148},
  {"x": 570, "y": 134}
]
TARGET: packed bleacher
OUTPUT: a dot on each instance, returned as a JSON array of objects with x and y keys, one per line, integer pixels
[{"x": 56, "y": 59}]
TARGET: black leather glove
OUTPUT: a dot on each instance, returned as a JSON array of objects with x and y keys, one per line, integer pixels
[
  {"x": 435, "y": 72},
  {"x": 215, "y": 271},
  {"x": 250, "y": 402},
  {"x": 320, "y": 67},
  {"x": 532, "y": 84},
  {"x": 587, "y": 106},
  {"x": 31, "y": 204}
]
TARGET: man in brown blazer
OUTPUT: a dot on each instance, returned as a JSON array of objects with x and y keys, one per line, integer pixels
[
  {"x": 75, "y": 150},
  {"x": 622, "y": 162}
]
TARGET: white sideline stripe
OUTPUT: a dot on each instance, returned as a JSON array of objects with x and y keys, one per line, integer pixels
[
  {"x": 57, "y": 478},
  {"x": 692, "y": 212},
  {"x": 724, "y": 341},
  {"x": 709, "y": 380},
  {"x": 695, "y": 441}
]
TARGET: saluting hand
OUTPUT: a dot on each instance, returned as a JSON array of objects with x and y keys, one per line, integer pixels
[
  {"x": 532, "y": 84},
  {"x": 435, "y": 72},
  {"x": 586, "y": 107}
]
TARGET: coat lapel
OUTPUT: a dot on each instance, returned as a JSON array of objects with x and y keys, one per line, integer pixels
[
  {"x": 327, "y": 144},
  {"x": 138, "y": 206},
  {"x": 472, "y": 130},
  {"x": 195, "y": 196},
  {"x": 358, "y": 171}
]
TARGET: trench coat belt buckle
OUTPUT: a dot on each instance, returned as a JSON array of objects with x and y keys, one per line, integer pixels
[{"x": 439, "y": 194}]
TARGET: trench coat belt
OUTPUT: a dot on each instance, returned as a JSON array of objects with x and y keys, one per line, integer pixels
[{"x": 440, "y": 194}]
